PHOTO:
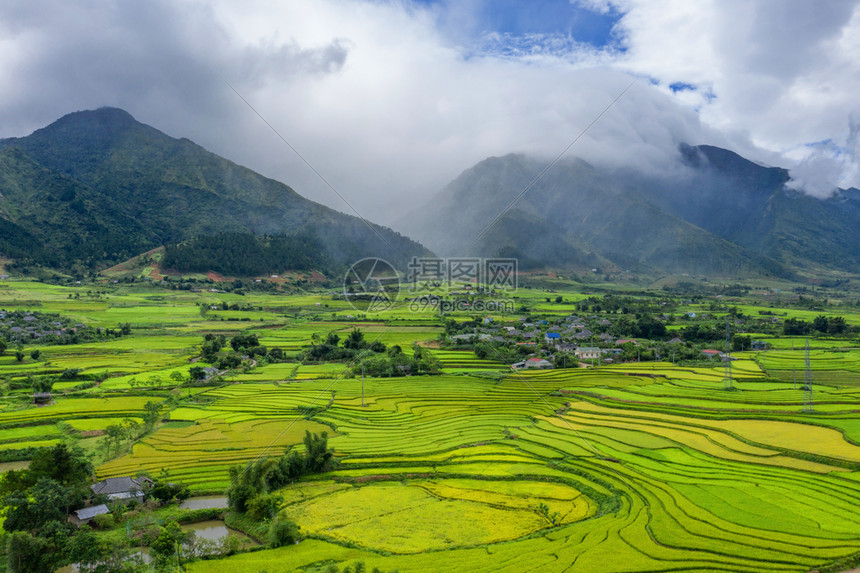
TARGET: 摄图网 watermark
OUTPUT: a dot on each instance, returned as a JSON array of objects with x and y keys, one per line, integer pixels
[{"x": 454, "y": 284}]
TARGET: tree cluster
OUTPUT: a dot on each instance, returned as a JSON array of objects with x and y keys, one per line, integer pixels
[
  {"x": 244, "y": 254},
  {"x": 252, "y": 487},
  {"x": 36, "y": 502},
  {"x": 371, "y": 358}
]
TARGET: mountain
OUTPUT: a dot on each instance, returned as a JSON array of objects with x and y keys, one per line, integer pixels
[
  {"x": 97, "y": 187},
  {"x": 576, "y": 216}
]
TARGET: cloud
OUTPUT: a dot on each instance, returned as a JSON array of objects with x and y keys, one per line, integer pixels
[
  {"x": 390, "y": 100},
  {"x": 786, "y": 73}
]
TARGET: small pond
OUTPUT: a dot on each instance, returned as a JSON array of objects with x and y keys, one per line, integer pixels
[
  {"x": 215, "y": 529},
  {"x": 206, "y": 502},
  {"x": 6, "y": 466}
]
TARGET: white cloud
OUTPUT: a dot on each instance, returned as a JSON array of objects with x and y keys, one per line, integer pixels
[
  {"x": 786, "y": 72},
  {"x": 389, "y": 101}
]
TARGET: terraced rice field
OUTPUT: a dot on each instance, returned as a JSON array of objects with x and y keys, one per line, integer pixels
[
  {"x": 631, "y": 467},
  {"x": 638, "y": 472}
]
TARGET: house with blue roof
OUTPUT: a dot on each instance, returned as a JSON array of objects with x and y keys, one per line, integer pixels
[{"x": 552, "y": 338}]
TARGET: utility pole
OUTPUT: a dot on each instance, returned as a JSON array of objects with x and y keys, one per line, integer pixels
[
  {"x": 727, "y": 382},
  {"x": 808, "y": 404}
]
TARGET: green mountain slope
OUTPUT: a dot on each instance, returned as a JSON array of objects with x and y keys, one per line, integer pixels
[
  {"x": 573, "y": 216},
  {"x": 750, "y": 205},
  {"x": 98, "y": 187}
]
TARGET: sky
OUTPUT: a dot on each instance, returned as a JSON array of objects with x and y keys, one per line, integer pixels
[{"x": 389, "y": 100}]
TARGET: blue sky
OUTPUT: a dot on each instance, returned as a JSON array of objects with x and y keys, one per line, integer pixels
[{"x": 516, "y": 18}]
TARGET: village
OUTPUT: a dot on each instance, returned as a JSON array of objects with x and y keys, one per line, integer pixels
[{"x": 588, "y": 341}]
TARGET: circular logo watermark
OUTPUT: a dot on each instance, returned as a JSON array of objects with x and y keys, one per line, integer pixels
[{"x": 371, "y": 285}]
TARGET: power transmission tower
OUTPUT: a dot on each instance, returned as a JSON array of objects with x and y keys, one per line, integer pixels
[
  {"x": 808, "y": 405},
  {"x": 727, "y": 381}
]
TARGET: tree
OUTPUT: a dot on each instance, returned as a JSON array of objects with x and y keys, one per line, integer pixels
[
  {"x": 26, "y": 553},
  {"x": 68, "y": 465},
  {"x": 244, "y": 340},
  {"x": 795, "y": 327},
  {"x": 355, "y": 340},
  {"x": 85, "y": 549},
  {"x": 114, "y": 435},
  {"x": 276, "y": 353},
  {"x": 317, "y": 455},
  {"x": 165, "y": 492},
  {"x": 35, "y": 354},
  {"x": 19, "y": 355},
  {"x": 283, "y": 532},
  {"x": 166, "y": 545},
  {"x": 249, "y": 482},
  {"x": 821, "y": 323},
  {"x": 151, "y": 414},
  {"x": 837, "y": 325},
  {"x": 3, "y": 346},
  {"x": 42, "y": 384},
  {"x": 197, "y": 373},
  {"x": 264, "y": 506},
  {"x": 31, "y": 509},
  {"x": 740, "y": 343}
]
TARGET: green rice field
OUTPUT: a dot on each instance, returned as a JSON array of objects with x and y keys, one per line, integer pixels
[{"x": 627, "y": 467}]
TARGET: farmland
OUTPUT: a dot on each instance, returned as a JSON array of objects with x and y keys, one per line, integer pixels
[{"x": 630, "y": 466}]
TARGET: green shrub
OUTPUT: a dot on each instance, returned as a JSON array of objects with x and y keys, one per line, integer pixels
[
  {"x": 104, "y": 521},
  {"x": 283, "y": 532}
]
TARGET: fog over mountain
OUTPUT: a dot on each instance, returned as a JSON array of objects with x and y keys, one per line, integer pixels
[
  {"x": 715, "y": 214},
  {"x": 389, "y": 99}
]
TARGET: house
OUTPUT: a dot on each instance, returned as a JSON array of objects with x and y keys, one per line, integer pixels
[
  {"x": 759, "y": 345},
  {"x": 488, "y": 320},
  {"x": 481, "y": 336},
  {"x": 210, "y": 371},
  {"x": 83, "y": 516},
  {"x": 712, "y": 353},
  {"x": 534, "y": 362},
  {"x": 552, "y": 338},
  {"x": 122, "y": 488},
  {"x": 583, "y": 335},
  {"x": 42, "y": 398},
  {"x": 623, "y": 341},
  {"x": 587, "y": 352}
]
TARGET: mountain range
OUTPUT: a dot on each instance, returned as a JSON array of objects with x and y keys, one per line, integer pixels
[
  {"x": 718, "y": 214},
  {"x": 98, "y": 187}
]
